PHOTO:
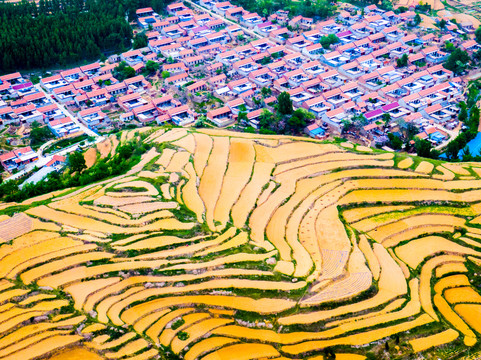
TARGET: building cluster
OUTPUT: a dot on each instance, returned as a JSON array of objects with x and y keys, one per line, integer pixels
[{"x": 226, "y": 52}]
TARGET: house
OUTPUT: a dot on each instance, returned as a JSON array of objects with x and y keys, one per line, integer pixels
[
  {"x": 301, "y": 22},
  {"x": 137, "y": 83},
  {"x": 329, "y": 27},
  {"x": 13, "y": 79},
  {"x": 126, "y": 117},
  {"x": 28, "y": 114},
  {"x": 221, "y": 117},
  {"x": 53, "y": 82},
  {"x": 132, "y": 57},
  {"x": 38, "y": 99},
  {"x": 334, "y": 119},
  {"x": 265, "y": 28},
  {"x": 144, "y": 12},
  {"x": 250, "y": 20},
  {"x": 240, "y": 86},
  {"x": 395, "y": 110},
  {"x": 91, "y": 69},
  {"x": 218, "y": 80},
  {"x": 146, "y": 113},
  {"x": 23, "y": 89},
  {"x": 317, "y": 106},
  {"x": 191, "y": 62},
  {"x": 470, "y": 46},
  {"x": 196, "y": 87},
  {"x": 56, "y": 162},
  {"x": 181, "y": 115},
  {"x": 234, "y": 31},
  {"x": 352, "y": 70},
  {"x": 117, "y": 89},
  {"x": 63, "y": 127},
  {"x": 315, "y": 131},
  {"x": 235, "y": 13},
  {"x": 236, "y": 105},
  {"x": 263, "y": 77},
  {"x": 299, "y": 95},
  {"x": 50, "y": 112},
  {"x": 131, "y": 101},
  {"x": 72, "y": 75},
  {"x": 434, "y": 55},
  {"x": 17, "y": 159},
  {"x": 221, "y": 7},
  {"x": 172, "y": 9},
  {"x": 65, "y": 93},
  {"x": 178, "y": 79},
  {"x": 334, "y": 59},
  {"x": 93, "y": 117}
]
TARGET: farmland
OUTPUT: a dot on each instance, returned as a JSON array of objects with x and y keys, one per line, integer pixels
[{"x": 220, "y": 246}]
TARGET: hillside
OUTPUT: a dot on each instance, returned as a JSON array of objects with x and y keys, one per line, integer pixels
[{"x": 223, "y": 245}]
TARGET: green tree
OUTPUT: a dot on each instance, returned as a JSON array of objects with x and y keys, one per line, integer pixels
[
  {"x": 140, "y": 41},
  {"x": 76, "y": 162},
  {"x": 395, "y": 142},
  {"x": 328, "y": 40},
  {"x": 298, "y": 121},
  {"x": 165, "y": 74},
  {"x": 284, "y": 103},
  {"x": 151, "y": 66},
  {"x": 386, "y": 117},
  {"x": 424, "y": 148},
  {"x": 442, "y": 24},
  {"x": 265, "y": 91},
  {"x": 242, "y": 117},
  {"x": 266, "y": 119},
  {"x": 402, "y": 61},
  {"x": 477, "y": 35},
  {"x": 417, "y": 20},
  {"x": 457, "y": 61},
  {"x": 463, "y": 112},
  {"x": 39, "y": 135}
]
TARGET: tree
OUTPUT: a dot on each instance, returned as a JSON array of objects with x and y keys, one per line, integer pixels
[
  {"x": 417, "y": 20},
  {"x": 165, "y": 74},
  {"x": 442, "y": 24},
  {"x": 76, "y": 162},
  {"x": 242, "y": 117},
  {"x": 402, "y": 61},
  {"x": 477, "y": 35},
  {"x": 457, "y": 61},
  {"x": 265, "y": 119},
  {"x": 151, "y": 66},
  {"x": 284, "y": 103},
  {"x": 386, "y": 117},
  {"x": 50, "y": 31},
  {"x": 463, "y": 112},
  {"x": 452, "y": 150},
  {"x": 298, "y": 121},
  {"x": 328, "y": 40},
  {"x": 265, "y": 91},
  {"x": 395, "y": 142},
  {"x": 424, "y": 148},
  {"x": 140, "y": 41},
  {"x": 122, "y": 71},
  {"x": 39, "y": 135}
]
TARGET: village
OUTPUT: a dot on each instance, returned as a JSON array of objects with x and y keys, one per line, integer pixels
[{"x": 363, "y": 75}]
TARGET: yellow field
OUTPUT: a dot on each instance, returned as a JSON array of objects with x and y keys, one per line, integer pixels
[
  {"x": 223, "y": 245},
  {"x": 424, "y": 343}
]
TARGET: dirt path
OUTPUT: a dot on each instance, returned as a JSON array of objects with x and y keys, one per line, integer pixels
[{"x": 90, "y": 157}]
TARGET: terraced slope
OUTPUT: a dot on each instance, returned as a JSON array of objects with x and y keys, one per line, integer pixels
[{"x": 221, "y": 245}]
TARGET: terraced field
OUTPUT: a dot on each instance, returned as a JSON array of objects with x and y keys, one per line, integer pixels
[{"x": 220, "y": 245}]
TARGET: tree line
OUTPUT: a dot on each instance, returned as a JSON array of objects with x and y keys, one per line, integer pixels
[{"x": 61, "y": 32}]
